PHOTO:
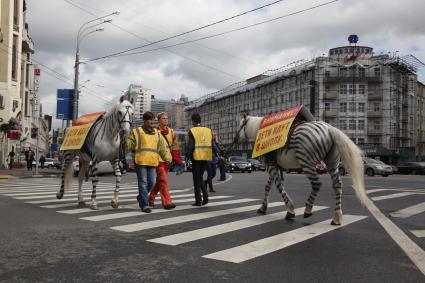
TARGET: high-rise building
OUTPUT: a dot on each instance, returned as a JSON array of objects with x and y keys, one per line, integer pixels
[
  {"x": 141, "y": 99},
  {"x": 160, "y": 105},
  {"x": 373, "y": 98}
]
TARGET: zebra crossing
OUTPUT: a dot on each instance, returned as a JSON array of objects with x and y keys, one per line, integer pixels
[{"x": 213, "y": 218}]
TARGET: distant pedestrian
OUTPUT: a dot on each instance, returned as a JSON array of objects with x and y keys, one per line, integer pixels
[
  {"x": 42, "y": 160},
  {"x": 212, "y": 167},
  {"x": 11, "y": 158},
  {"x": 29, "y": 158},
  {"x": 222, "y": 162}
]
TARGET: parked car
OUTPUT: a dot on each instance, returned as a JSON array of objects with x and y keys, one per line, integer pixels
[
  {"x": 257, "y": 165},
  {"x": 238, "y": 163},
  {"x": 415, "y": 168},
  {"x": 50, "y": 163},
  {"x": 372, "y": 167}
]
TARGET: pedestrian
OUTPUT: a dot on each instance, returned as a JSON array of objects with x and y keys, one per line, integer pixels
[
  {"x": 148, "y": 146},
  {"x": 222, "y": 162},
  {"x": 11, "y": 158},
  {"x": 29, "y": 158},
  {"x": 212, "y": 167},
  {"x": 163, "y": 168},
  {"x": 42, "y": 160},
  {"x": 200, "y": 151}
]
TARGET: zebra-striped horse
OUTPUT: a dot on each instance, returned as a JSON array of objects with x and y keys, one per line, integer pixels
[
  {"x": 102, "y": 144},
  {"x": 309, "y": 144}
]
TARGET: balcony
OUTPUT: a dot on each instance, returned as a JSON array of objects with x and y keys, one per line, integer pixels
[
  {"x": 375, "y": 96},
  {"x": 329, "y": 95},
  {"x": 374, "y": 114},
  {"x": 329, "y": 114},
  {"x": 374, "y": 132},
  {"x": 346, "y": 79}
]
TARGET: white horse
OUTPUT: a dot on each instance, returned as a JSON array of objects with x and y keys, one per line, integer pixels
[
  {"x": 310, "y": 143},
  {"x": 101, "y": 144}
]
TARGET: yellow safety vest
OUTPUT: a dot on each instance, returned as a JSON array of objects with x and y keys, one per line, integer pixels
[
  {"x": 203, "y": 143},
  {"x": 169, "y": 138},
  {"x": 147, "y": 148}
]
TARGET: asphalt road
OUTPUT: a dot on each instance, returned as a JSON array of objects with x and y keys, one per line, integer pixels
[{"x": 43, "y": 239}]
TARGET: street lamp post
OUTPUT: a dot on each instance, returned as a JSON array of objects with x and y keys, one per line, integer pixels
[{"x": 80, "y": 36}]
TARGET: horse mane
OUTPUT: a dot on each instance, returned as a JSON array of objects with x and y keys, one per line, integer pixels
[{"x": 114, "y": 109}]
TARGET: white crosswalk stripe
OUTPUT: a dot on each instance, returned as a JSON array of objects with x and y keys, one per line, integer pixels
[
  {"x": 392, "y": 196},
  {"x": 190, "y": 236},
  {"x": 409, "y": 211},
  {"x": 418, "y": 233},
  {"x": 271, "y": 244}
]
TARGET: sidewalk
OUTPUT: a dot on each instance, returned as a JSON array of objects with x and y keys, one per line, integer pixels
[{"x": 24, "y": 173}]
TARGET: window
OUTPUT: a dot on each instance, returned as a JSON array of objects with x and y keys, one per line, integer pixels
[
  {"x": 377, "y": 72},
  {"x": 351, "y": 107},
  {"x": 342, "y": 89},
  {"x": 376, "y": 125},
  {"x": 343, "y": 107},
  {"x": 352, "y": 124},
  {"x": 343, "y": 124},
  {"x": 362, "y": 89},
  {"x": 327, "y": 106},
  {"x": 361, "y": 125},
  {"x": 376, "y": 106},
  {"x": 360, "y": 140},
  {"x": 361, "y": 72},
  {"x": 351, "y": 89},
  {"x": 343, "y": 72},
  {"x": 361, "y": 107}
]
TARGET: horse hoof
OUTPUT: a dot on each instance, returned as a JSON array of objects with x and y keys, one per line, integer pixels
[
  {"x": 82, "y": 204},
  {"x": 289, "y": 215},
  {"x": 307, "y": 215},
  {"x": 93, "y": 206},
  {"x": 59, "y": 196},
  {"x": 334, "y": 223},
  {"x": 261, "y": 211},
  {"x": 114, "y": 204}
]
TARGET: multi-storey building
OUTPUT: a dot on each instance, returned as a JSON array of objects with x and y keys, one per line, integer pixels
[
  {"x": 19, "y": 103},
  {"x": 142, "y": 99},
  {"x": 160, "y": 105},
  {"x": 176, "y": 113},
  {"x": 373, "y": 99}
]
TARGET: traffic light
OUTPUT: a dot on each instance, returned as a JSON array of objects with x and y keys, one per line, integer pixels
[{"x": 34, "y": 133}]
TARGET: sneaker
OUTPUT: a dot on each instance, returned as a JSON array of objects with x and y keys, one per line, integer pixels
[
  {"x": 196, "y": 204},
  {"x": 151, "y": 205},
  {"x": 147, "y": 210},
  {"x": 212, "y": 191},
  {"x": 169, "y": 206},
  {"x": 205, "y": 201}
]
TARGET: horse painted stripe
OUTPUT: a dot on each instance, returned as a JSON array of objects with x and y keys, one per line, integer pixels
[
  {"x": 409, "y": 211},
  {"x": 190, "y": 236},
  {"x": 185, "y": 218},
  {"x": 131, "y": 206},
  {"x": 274, "y": 243},
  {"x": 397, "y": 195},
  {"x": 183, "y": 207}
]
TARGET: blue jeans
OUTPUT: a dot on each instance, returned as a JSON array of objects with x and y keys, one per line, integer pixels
[{"x": 146, "y": 178}]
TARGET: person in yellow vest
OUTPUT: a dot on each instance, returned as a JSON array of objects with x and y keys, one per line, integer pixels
[
  {"x": 200, "y": 150},
  {"x": 163, "y": 168},
  {"x": 147, "y": 146}
]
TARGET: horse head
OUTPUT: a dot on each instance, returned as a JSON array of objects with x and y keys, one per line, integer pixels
[
  {"x": 125, "y": 112},
  {"x": 248, "y": 127}
]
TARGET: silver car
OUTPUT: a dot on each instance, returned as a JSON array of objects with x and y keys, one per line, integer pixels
[{"x": 372, "y": 167}]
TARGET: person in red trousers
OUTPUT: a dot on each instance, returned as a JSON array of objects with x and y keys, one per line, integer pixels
[{"x": 161, "y": 185}]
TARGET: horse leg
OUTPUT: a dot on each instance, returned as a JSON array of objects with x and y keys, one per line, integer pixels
[
  {"x": 278, "y": 179},
  {"x": 66, "y": 170},
  {"x": 332, "y": 163},
  {"x": 95, "y": 180},
  {"x": 114, "y": 201},
  {"x": 81, "y": 175},
  {"x": 263, "y": 208},
  {"x": 312, "y": 175}
]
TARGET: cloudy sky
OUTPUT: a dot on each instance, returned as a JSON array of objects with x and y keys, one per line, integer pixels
[{"x": 201, "y": 67}]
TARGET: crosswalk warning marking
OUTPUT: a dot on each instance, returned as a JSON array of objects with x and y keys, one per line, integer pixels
[
  {"x": 274, "y": 243},
  {"x": 418, "y": 233},
  {"x": 409, "y": 211},
  {"x": 183, "y": 207},
  {"x": 186, "y": 218},
  {"x": 190, "y": 236}
]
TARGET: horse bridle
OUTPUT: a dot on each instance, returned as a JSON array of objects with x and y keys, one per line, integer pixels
[
  {"x": 236, "y": 139},
  {"x": 125, "y": 115}
]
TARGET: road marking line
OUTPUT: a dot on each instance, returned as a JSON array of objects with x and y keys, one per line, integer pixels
[
  {"x": 415, "y": 190},
  {"x": 178, "y": 208},
  {"x": 413, "y": 251},
  {"x": 189, "y": 236},
  {"x": 186, "y": 218},
  {"x": 375, "y": 191},
  {"x": 274, "y": 243},
  {"x": 74, "y": 199},
  {"x": 131, "y": 206},
  {"x": 397, "y": 195},
  {"x": 409, "y": 211},
  {"x": 418, "y": 233}
]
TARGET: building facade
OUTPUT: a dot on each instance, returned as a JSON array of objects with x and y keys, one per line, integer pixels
[{"x": 373, "y": 99}]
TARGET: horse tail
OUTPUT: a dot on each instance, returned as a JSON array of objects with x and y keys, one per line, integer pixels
[
  {"x": 351, "y": 155},
  {"x": 66, "y": 175}
]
